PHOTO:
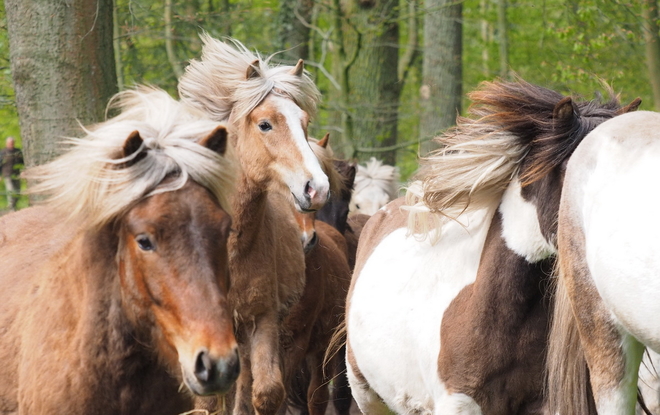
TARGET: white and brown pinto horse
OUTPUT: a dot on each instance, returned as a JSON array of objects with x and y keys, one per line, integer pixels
[
  {"x": 268, "y": 109},
  {"x": 607, "y": 299},
  {"x": 454, "y": 320},
  {"x": 115, "y": 290}
]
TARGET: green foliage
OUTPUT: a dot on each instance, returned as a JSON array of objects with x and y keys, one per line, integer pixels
[{"x": 568, "y": 45}]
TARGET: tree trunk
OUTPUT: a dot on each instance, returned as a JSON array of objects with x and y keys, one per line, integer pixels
[
  {"x": 442, "y": 82},
  {"x": 503, "y": 37},
  {"x": 294, "y": 19},
  {"x": 63, "y": 69},
  {"x": 652, "y": 38},
  {"x": 375, "y": 83}
]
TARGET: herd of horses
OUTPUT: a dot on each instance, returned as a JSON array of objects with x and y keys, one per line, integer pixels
[{"x": 197, "y": 256}]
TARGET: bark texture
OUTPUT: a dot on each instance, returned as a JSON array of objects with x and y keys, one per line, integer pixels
[
  {"x": 442, "y": 82},
  {"x": 652, "y": 38},
  {"x": 63, "y": 69},
  {"x": 375, "y": 85}
]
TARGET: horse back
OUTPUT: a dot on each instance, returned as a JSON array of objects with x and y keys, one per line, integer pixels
[{"x": 28, "y": 239}]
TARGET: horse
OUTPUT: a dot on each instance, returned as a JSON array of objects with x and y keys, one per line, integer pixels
[
  {"x": 314, "y": 319},
  {"x": 375, "y": 185},
  {"x": 115, "y": 288},
  {"x": 448, "y": 309},
  {"x": 268, "y": 109},
  {"x": 606, "y": 306}
]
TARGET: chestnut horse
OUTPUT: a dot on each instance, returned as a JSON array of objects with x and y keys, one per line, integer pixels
[
  {"x": 268, "y": 109},
  {"x": 115, "y": 291},
  {"x": 454, "y": 320},
  {"x": 608, "y": 286}
]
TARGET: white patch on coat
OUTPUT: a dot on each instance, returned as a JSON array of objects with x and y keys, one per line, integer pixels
[
  {"x": 397, "y": 306},
  {"x": 520, "y": 226}
]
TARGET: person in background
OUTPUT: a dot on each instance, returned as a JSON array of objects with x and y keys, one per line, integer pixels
[{"x": 10, "y": 158}]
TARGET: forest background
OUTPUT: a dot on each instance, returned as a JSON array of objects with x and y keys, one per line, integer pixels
[{"x": 393, "y": 73}]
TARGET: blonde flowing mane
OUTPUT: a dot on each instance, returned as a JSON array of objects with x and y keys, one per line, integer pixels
[
  {"x": 217, "y": 83},
  {"x": 380, "y": 175},
  {"x": 93, "y": 183}
]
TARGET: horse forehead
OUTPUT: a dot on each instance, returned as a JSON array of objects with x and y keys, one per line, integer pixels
[
  {"x": 192, "y": 205},
  {"x": 282, "y": 108}
]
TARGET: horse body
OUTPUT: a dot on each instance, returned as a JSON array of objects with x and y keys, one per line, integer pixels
[
  {"x": 608, "y": 264},
  {"x": 423, "y": 285},
  {"x": 454, "y": 320},
  {"x": 109, "y": 313},
  {"x": 269, "y": 108}
]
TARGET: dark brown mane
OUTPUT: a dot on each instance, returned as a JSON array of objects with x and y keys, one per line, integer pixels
[{"x": 534, "y": 114}]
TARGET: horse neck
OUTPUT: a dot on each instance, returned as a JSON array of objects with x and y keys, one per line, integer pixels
[{"x": 249, "y": 207}]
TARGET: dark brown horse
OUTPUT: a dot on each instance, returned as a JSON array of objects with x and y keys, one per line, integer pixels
[
  {"x": 451, "y": 315},
  {"x": 115, "y": 291},
  {"x": 319, "y": 313}
]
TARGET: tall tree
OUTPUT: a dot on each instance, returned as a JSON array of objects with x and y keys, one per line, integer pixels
[
  {"x": 442, "y": 68},
  {"x": 652, "y": 41},
  {"x": 294, "y": 20},
  {"x": 375, "y": 83},
  {"x": 63, "y": 68}
]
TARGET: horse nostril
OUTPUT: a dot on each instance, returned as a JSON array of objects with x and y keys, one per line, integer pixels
[
  {"x": 310, "y": 192},
  {"x": 204, "y": 367},
  {"x": 313, "y": 241}
]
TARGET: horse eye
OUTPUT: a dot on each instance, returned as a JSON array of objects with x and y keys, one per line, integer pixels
[
  {"x": 145, "y": 243},
  {"x": 265, "y": 126}
]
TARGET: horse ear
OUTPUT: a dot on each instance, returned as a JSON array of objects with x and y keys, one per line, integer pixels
[
  {"x": 253, "y": 70},
  {"x": 350, "y": 175},
  {"x": 132, "y": 145},
  {"x": 216, "y": 140},
  {"x": 633, "y": 106},
  {"x": 298, "y": 69},
  {"x": 565, "y": 109},
  {"x": 324, "y": 141}
]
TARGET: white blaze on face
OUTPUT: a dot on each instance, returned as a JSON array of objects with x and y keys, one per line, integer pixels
[{"x": 310, "y": 171}]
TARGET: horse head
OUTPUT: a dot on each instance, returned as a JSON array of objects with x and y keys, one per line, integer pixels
[
  {"x": 173, "y": 267},
  {"x": 269, "y": 109}
]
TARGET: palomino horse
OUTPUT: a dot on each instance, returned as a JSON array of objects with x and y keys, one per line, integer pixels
[
  {"x": 269, "y": 109},
  {"x": 376, "y": 184},
  {"x": 115, "y": 291},
  {"x": 608, "y": 286},
  {"x": 455, "y": 320}
]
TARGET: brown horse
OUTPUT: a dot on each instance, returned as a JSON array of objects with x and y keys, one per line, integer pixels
[
  {"x": 455, "y": 320},
  {"x": 115, "y": 291},
  {"x": 319, "y": 313},
  {"x": 269, "y": 109}
]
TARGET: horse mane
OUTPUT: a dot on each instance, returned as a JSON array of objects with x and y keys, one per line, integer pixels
[
  {"x": 375, "y": 173},
  {"x": 217, "y": 83},
  {"x": 511, "y": 130},
  {"x": 93, "y": 183}
]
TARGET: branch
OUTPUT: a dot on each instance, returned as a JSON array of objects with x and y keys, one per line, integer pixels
[
  {"x": 408, "y": 58},
  {"x": 169, "y": 43},
  {"x": 392, "y": 147}
]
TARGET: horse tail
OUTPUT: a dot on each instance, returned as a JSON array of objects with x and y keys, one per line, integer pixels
[
  {"x": 568, "y": 389},
  {"x": 337, "y": 343}
]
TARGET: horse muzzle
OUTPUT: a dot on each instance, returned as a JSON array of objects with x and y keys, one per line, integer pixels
[{"x": 212, "y": 375}]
